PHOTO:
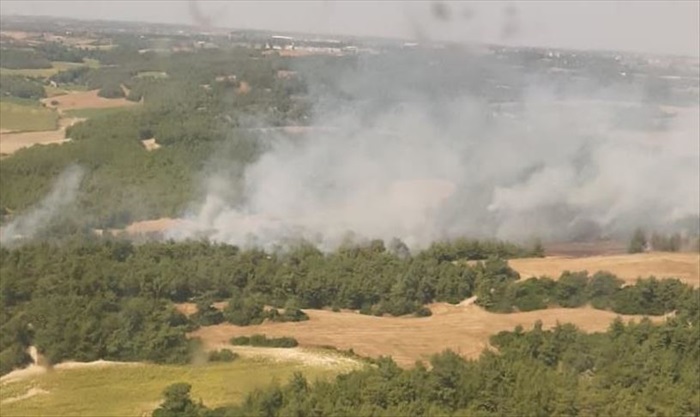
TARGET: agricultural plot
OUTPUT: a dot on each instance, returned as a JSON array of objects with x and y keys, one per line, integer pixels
[
  {"x": 24, "y": 118},
  {"x": 101, "y": 390}
]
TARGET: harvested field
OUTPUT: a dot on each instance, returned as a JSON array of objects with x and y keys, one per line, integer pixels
[
  {"x": 629, "y": 267},
  {"x": 24, "y": 118},
  {"x": 85, "y": 99},
  {"x": 11, "y": 142},
  {"x": 463, "y": 328}
]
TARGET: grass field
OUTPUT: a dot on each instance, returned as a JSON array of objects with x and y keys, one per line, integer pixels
[
  {"x": 84, "y": 100},
  {"x": 135, "y": 389},
  {"x": 629, "y": 267},
  {"x": 41, "y": 72},
  {"x": 24, "y": 118}
]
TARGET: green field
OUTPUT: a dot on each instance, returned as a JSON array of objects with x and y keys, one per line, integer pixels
[
  {"x": 135, "y": 390},
  {"x": 41, "y": 72},
  {"x": 26, "y": 118}
]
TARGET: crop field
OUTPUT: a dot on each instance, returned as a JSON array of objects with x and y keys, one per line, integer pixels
[
  {"x": 464, "y": 328},
  {"x": 85, "y": 99},
  {"x": 629, "y": 267},
  {"x": 25, "y": 118},
  {"x": 102, "y": 390}
]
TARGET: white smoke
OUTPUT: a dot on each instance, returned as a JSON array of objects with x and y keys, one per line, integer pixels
[
  {"x": 63, "y": 192},
  {"x": 421, "y": 171}
]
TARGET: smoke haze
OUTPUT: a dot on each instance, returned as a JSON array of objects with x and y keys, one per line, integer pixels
[
  {"x": 420, "y": 168},
  {"x": 63, "y": 193}
]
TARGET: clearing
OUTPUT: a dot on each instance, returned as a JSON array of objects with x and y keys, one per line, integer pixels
[
  {"x": 682, "y": 265},
  {"x": 11, "y": 142},
  {"x": 136, "y": 390},
  {"x": 464, "y": 328},
  {"x": 85, "y": 99},
  {"x": 26, "y": 118}
]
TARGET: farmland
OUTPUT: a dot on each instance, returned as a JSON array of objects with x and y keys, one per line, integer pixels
[
  {"x": 463, "y": 328},
  {"x": 684, "y": 266},
  {"x": 22, "y": 118},
  {"x": 101, "y": 390}
]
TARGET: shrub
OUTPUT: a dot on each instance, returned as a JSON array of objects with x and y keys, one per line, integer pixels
[
  {"x": 423, "y": 312},
  {"x": 223, "y": 355},
  {"x": 112, "y": 90},
  {"x": 260, "y": 340}
]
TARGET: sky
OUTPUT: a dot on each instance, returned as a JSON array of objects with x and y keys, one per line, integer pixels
[{"x": 666, "y": 27}]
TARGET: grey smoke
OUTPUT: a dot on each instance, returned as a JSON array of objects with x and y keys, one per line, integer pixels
[
  {"x": 63, "y": 192},
  {"x": 424, "y": 170}
]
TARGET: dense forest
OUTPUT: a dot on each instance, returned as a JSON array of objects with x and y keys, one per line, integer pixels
[
  {"x": 638, "y": 369},
  {"x": 112, "y": 299}
]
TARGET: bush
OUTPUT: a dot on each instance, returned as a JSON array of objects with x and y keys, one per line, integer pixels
[
  {"x": 423, "y": 312},
  {"x": 638, "y": 242},
  {"x": 244, "y": 312},
  {"x": 571, "y": 289},
  {"x": 533, "y": 294},
  {"x": 223, "y": 355},
  {"x": 260, "y": 340},
  {"x": 111, "y": 90}
]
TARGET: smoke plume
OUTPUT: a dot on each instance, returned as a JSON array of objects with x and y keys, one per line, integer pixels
[
  {"x": 63, "y": 192},
  {"x": 419, "y": 169}
]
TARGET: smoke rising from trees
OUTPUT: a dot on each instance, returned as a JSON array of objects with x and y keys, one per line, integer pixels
[{"x": 404, "y": 163}]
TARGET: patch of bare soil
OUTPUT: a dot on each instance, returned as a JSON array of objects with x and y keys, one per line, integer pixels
[
  {"x": 12, "y": 142},
  {"x": 150, "y": 144},
  {"x": 243, "y": 88},
  {"x": 463, "y": 328},
  {"x": 629, "y": 267},
  {"x": 150, "y": 226}
]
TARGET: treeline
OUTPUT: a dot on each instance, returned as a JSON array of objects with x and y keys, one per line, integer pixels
[
  {"x": 260, "y": 340},
  {"x": 638, "y": 369},
  {"x": 111, "y": 299},
  {"x": 642, "y": 241},
  {"x": 602, "y": 290},
  {"x": 21, "y": 58},
  {"x": 21, "y": 87}
]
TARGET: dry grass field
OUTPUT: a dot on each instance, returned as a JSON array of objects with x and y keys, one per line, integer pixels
[
  {"x": 85, "y": 99},
  {"x": 629, "y": 267},
  {"x": 463, "y": 328},
  {"x": 11, "y": 142}
]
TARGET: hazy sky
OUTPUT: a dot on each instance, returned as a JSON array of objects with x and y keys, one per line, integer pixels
[{"x": 648, "y": 26}]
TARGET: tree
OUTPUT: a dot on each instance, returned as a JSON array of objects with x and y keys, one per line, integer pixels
[
  {"x": 638, "y": 242},
  {"x": 177, "y": 402}
]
